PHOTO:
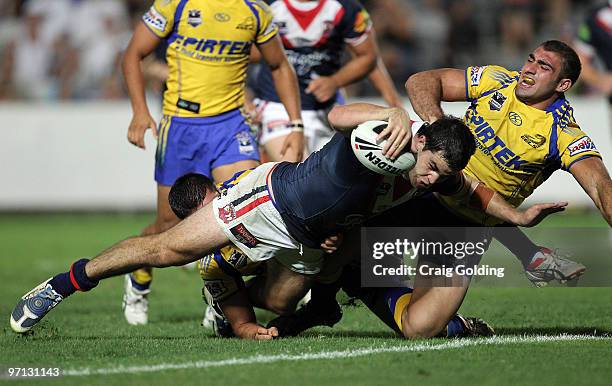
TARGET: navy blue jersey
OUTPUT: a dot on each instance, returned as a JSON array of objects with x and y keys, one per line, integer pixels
[
  {"x": 314, "y": 41},
  {"x": 328, "y": 193}
]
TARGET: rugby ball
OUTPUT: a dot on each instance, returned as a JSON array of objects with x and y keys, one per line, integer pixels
[{"x": 369, "y": 152}]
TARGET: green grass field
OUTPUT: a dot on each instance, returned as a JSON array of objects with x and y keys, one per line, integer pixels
[{"x": 87, "y": 337}]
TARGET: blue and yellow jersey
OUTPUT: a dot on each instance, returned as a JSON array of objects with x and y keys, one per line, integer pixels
[
  {"x": 222, "y": 271},
  {"x": 517, "y": 146},
  {"x": 209, "y": 42}
]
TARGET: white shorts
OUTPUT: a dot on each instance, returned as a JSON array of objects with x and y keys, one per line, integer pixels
[
  {"x": 274, "y": 120},
  {"x": 248, "y": 217}
]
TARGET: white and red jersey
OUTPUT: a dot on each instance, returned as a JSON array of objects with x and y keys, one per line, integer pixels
[{"x": 314, "y": 34}]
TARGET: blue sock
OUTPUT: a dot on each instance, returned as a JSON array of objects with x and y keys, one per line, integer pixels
[
  {"x": 74, "y": 280},
  {"x": 455, "y": 327}
]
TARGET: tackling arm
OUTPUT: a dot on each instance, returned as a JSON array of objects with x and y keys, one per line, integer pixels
[
  {"x": 593, "y": 176},
  {"x": 239, "y": 313},
  {"x": 428, "y": 88},
  {"x": 475, "y": 194}
]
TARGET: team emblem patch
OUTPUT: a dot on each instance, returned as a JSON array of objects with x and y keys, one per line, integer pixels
[
  {"x": 581, "y": 145},
  {"x": 244, "y": 236},
  {"x": 534, "y": 141},
  {"x": 245, "y": 143},
  {"x": 194, "y": 17},
  {"x": 515, "y": 118},
  {"x": 237, "y": 259},
  {"x": 497, "y": 101},
  {"x": 228, "y": 213}
]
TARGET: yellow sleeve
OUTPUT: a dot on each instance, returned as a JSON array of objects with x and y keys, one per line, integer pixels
[
  {"x": 267, "y": 28},
  {"x": 480, "y": 80},
  {"x": 575, "y": 145},
  {"x": 219, "y": 283},
  {"x": 160, "y": 17}
]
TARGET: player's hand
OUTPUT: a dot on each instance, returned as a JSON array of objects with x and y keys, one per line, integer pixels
[
  {"x": 397, "y": 133},
  {"x": 323, "y": 88},
  {"x": 294, "y": 144},
  {"x": 535, "y": 214},
  {"x": 331, "y": 244},
  {"x": 138, "y": 126},
  {"x": 266, "y": 333}
]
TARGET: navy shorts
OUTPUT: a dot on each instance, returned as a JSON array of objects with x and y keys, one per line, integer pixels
[{"x": 199, "y": 145}]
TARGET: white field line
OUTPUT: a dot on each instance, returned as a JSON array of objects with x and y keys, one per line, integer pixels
[{"x": 349, "y": 353}]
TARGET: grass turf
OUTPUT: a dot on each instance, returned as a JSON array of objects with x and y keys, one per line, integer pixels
[{"x": 89, "y": 331}]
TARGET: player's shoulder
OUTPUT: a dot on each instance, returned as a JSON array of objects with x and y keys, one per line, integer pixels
[{"x": 499, "y": 74}]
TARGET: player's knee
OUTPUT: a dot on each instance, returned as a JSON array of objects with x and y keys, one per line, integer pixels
[
  {"x": 420, "y": 326},
  {"x": 281, "y": 306}
]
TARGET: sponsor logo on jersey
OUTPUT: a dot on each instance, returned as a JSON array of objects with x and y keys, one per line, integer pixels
[
  {"x": 493, "y": 145},
  {"x": 216, "y": 288},
  {"x": 497, "y": 101},
  {"x": 222, "y": 17},
  {"x": 244, "y": 236},
  {"x": 155, "y": 20},
  {"x": 362, "y": 21},
  {"x": 534, "y": 141},
  {"x": 247, "y": 24},
  {"x": 194, "y": 17},
  {"x": 237, "y": 259},
  {"x": 581, "y": 145},
  {"x": 184, "y": 104},
  {"x": 476, "y": 75},
  {"x": 211, "y": 46},
  {"x": 515, "y": 118}
]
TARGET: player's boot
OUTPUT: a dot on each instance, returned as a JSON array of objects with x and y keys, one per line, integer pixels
[
  {"x": 306, "y": 317},
  {"x": 135, "y": 303},
  {"x": 475, "y": 326},
  {"x": 546, "y": 266},
  {"x": 33, "y": 306},
  {"x": 209, "y": 317}
]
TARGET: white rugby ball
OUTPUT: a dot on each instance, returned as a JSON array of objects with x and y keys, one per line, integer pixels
[{"x": 369, "y": 152}]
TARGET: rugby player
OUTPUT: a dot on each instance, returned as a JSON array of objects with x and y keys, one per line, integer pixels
[
  {"x": 314, "y": 35},
  {"x": 525, "y": 130},
  {"x": 231, "y": 300},
  {"x": 203, "y": 129},
  {"x": 283, "y": 210}
]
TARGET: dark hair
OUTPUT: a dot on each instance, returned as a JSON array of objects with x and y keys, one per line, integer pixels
[
  {"x": 188, "y": 192},
  {"x": 570, "y": 62},
  {"x": 451, "y": 137}
]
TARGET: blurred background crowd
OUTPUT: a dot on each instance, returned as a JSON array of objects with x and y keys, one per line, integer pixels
[{"x": 70, "y": 49}]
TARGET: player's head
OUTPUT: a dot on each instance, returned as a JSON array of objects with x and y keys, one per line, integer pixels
[
  {"x": 190, "y": 193},
  {"x": 551, "y": 69},
  {"x": 442, "y": 148}
]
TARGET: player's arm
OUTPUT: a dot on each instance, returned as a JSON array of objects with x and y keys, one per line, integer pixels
[
  {"x": 363, "y": 61},
  {"x": 381, "y": 80},
  {"x": 594, "y": 178},
  {"x": 347, "y": 117},
  {"x": 428, "y": 88},
  {"x": 477, "y": 195},
  {"x": 239, "y": 313},
  {"x": 286, "y": 85},
  {"x": 143, "y": 42}
]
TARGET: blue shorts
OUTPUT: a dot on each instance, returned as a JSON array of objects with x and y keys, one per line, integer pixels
[{"x": 199, "y": 145}]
